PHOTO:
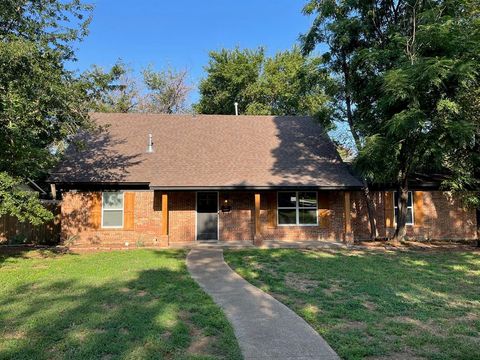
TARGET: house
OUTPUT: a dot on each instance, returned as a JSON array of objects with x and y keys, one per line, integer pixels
[{"x": 160, "y": 180}]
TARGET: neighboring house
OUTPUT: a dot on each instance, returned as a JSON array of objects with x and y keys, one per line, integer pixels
[{"x": 158, "y": 180}]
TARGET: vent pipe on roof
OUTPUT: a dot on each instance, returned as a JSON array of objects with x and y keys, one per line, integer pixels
[
  {"x": 236, "y": 108},
  {"x": 150, "y": 144}
]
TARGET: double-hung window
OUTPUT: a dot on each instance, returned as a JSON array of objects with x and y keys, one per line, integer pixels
[
  {"x": 297, "y": 208},
  {"x": 112, "y": 210},
  {"x": 409, "y": 220}
]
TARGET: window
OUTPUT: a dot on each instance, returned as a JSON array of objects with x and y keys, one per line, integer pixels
[
  {"x": 112, "y": 210},
  {"x": 297, "y": 208},
  {"x": 409, "y": 207}
]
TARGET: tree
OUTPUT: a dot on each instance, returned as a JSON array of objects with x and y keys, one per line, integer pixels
[
  {"x": 230, "y": 74},
  {"x": 421, "y": 118},
  {"x": 118, "y": 90},
  {"x": 41, "y": 103},
  {"x": 285, "y": 84},
  {"x": 290, "y": 84},
  {"x": 167, "y": 91},
  {"x": 414, "y": 65},
  {"x": 337, "y": 25}
]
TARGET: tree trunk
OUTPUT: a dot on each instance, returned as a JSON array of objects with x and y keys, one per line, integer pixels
[
  {"x": 402, "y": 191},
  {"x": 371, "y": 211},
  {"x": 358, "y": 144}
]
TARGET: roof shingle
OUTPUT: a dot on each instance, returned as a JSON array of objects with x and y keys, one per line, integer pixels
[{"x": 201, "y": 151}]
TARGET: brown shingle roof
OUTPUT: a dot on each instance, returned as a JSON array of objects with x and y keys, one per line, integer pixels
[{"x": 206, "y": 151}]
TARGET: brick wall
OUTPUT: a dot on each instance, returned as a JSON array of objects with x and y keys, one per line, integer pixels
[
  {"x": 443, "y": 219},
  {"x": 78, "y": 230}
]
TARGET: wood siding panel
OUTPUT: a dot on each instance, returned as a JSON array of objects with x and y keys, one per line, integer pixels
[
  {"x": 272, "y": 209},
  {"x": 164, "y": 214},
  {"x": 324, "y": 209},
  {"x": 128, "y": 210},
  {"x": 388, "y": 209},
  {"x": 418, "y": 211},
  {"x": 257, "y": 214},
  {"x": 96, "y": 210}
]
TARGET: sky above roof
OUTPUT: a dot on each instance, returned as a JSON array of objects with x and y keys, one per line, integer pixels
[{"x": 181, "y": 33}]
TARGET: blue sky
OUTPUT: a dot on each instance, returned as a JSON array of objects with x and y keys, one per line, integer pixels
[{"x": 181, "y": 33}]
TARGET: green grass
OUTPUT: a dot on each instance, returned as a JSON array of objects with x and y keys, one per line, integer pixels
[
  {"x": 139, "y": 304},
  {"x": 398, "y": 305}
]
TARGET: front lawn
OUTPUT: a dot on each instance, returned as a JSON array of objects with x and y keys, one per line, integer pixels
[
  {"x": 138, "y": 304},
  {"x": 395, "y": 305}
]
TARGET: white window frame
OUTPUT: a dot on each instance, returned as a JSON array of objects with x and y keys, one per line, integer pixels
[
  {"x": 123, "y": 210},
  {"x": 297, "y": 209},
  {"x": 395, "y": 207}
]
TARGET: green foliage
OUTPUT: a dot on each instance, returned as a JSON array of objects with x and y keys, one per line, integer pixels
[
  {"x": 230, "y": 73},
  {"x": 421, "y": 108},
  {"x": 21, "y": 203},
  {"x": 41, "y": 103},
  {"x": 409, "y": 71},
  {"x": 113, "y": 91},
  {"x": 285, "y": 84}
]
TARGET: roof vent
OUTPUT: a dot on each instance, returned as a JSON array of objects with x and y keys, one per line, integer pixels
[
  {"x": 236, "y": 108},
  {"x": 150, "y": 144}
]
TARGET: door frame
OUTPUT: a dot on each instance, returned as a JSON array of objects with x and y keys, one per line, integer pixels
[{"x": 218, "y": 213}]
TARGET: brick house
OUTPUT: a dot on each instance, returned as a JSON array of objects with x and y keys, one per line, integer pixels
[{"x": 160, "y": 180}]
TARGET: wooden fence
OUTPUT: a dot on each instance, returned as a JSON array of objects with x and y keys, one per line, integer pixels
[{"x": 13, "y": 231}]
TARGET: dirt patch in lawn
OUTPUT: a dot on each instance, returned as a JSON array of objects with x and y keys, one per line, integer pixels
[
  {"x": 397, "y": 356},
  {"x": 200, "y": 344},
  {"x": 352, "y": 325},
  {"x": 334, "y": 288},
  {"x": 296, "y": 282}
]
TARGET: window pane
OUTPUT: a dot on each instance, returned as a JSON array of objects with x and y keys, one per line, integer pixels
[
  {"x": 409, "y": 200},
  {"x": 112, "y": 200},
  {"x": 409, "y": 216},
  {"x": 307, "y": 216},
  {"x": 307, "y": 199},
  {"x": 113, "y": 218},
  {"x": 287, "y": 216},
  {"x": 287, "y": 199}
]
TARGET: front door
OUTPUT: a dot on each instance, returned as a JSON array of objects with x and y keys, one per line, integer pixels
[{"x": 207, "y": 215}]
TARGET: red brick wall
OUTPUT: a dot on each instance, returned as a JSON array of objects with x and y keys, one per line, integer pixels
[
  {"x": 181, "y": 213},
  {"x": 78, "y": 230},
  {"x": 443, "y": 219},
  {"x": 238, "y": 223}
]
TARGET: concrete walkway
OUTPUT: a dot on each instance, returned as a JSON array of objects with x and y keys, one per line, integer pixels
[{"x": 264, "y": 327}]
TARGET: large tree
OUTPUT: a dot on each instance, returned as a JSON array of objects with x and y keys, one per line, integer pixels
[
  {"x": 230, "y": 74},
  {"x": 414, "y": 84},
  {"x": 336, "y": 25},
  {"x": 41, "y": 103},
  {"x": 286, "y": 84},
  {"x": 118, "y": 90}
]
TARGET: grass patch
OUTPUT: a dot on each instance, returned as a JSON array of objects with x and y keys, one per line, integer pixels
[
  {"x": 140, "y": 304},
  {"x": 385, "y": 305}
]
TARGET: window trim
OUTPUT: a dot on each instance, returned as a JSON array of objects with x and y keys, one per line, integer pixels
[
  {"x": 396, "y": 207},
  {"x": 122, "y": 209},
  {"x": 297, "y": 209}
]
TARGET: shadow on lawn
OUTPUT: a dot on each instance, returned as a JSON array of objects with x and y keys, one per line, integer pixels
[
  {"x": 366, "y": 303},
  {"x": 160, "y": 314},
  {"x": 28, "y": 252}
]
